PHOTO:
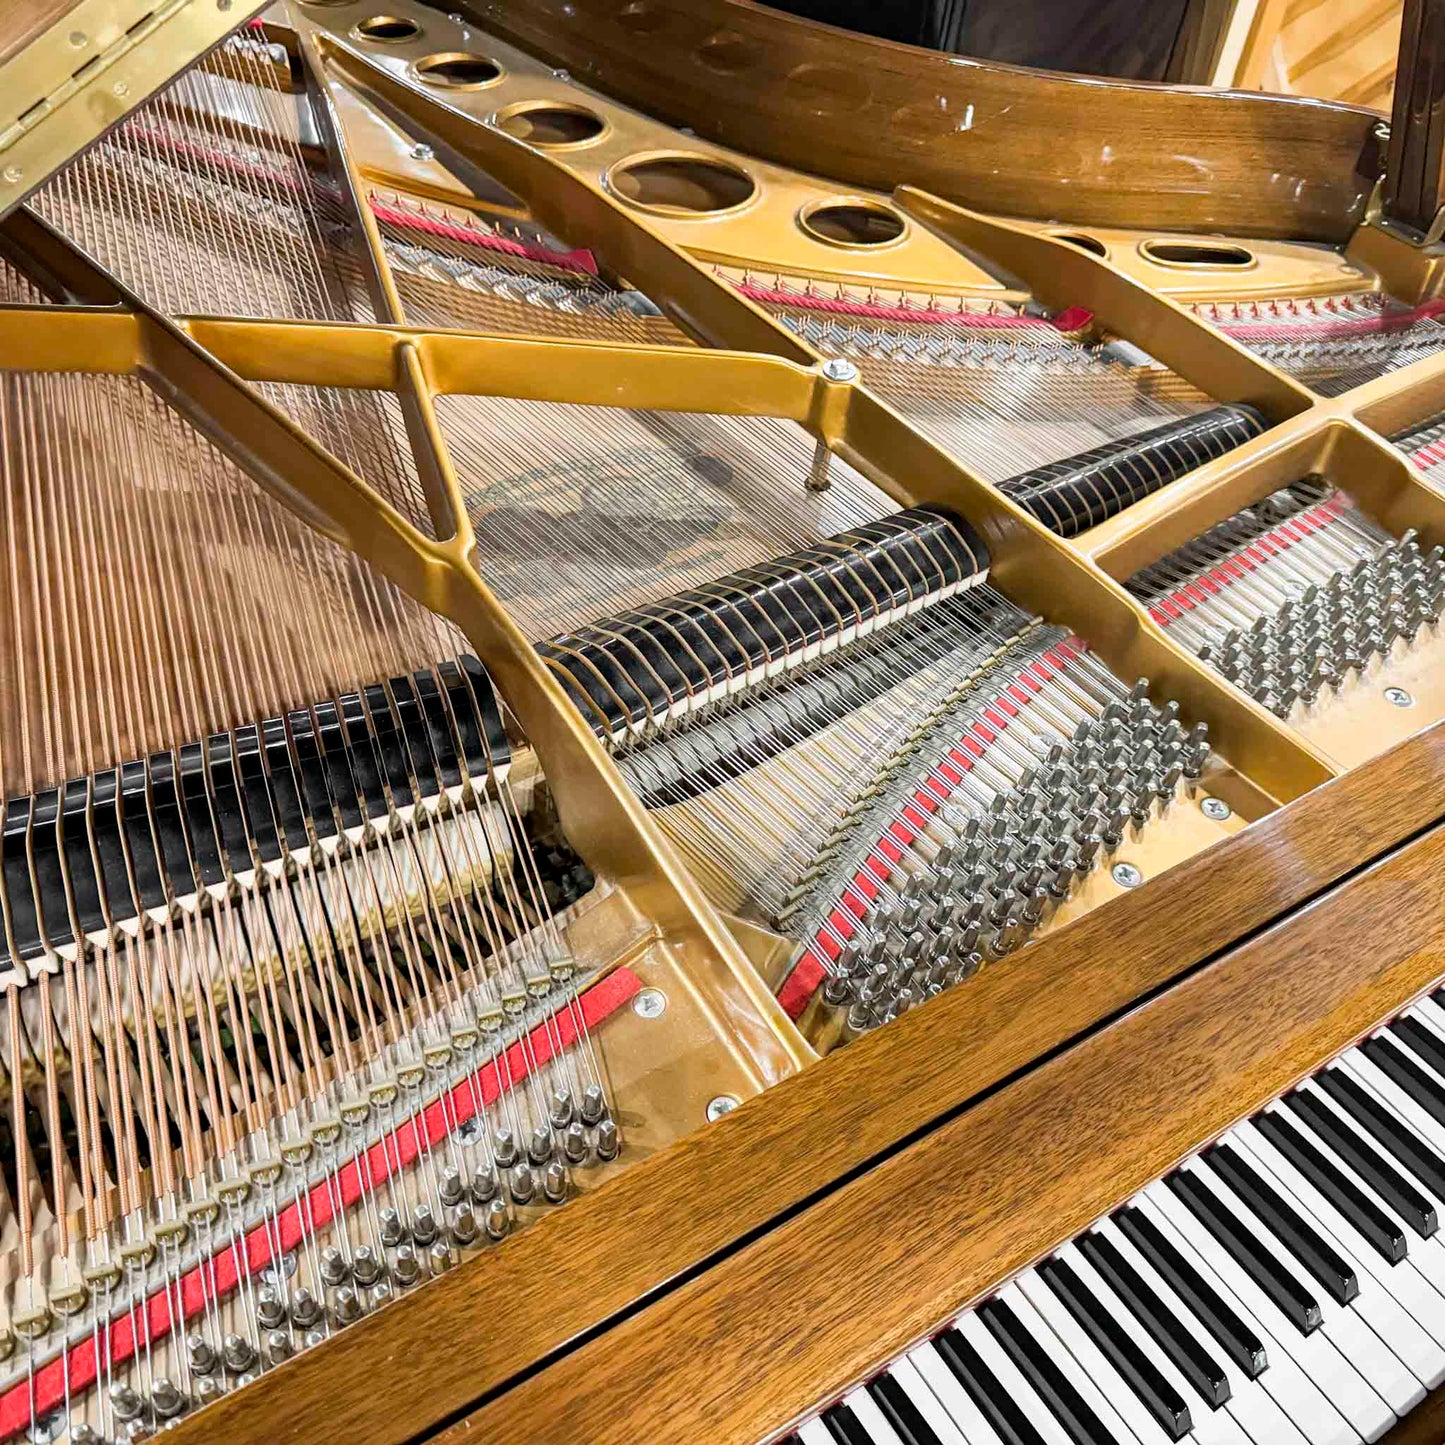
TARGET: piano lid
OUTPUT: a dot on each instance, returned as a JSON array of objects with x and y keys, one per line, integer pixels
[{"x": 72, "y": 69}]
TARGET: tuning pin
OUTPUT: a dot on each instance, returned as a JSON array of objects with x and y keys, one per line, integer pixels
[
  {"x": 609, "y": 1141},
  {"x": 270, "y": 1308},
  {"x": 451, "y": 1187},
  {"x": 278, "y": 1346},
  {"x": 406, "y": 1270},
  {"x": 504, "y": 1149},
  {"x": 594, "y": 1105},
  {"x": 334, "y": 1268},
  {"x": 239, "y": 1354},
  {"x": 554, "y": 1182},
  {"x": 523, "y": 1184},
  {"x": 497, "y": 1220},
  {"x": 305, "y": 1309},
  {"x": 423, "y": 1225},
  {"x": 347, "y": 1308},
  {"x": 365, "y": 1267}
]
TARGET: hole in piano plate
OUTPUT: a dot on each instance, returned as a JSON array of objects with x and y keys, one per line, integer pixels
[
  {"x": 1197, "y": 253},
  {"x": 387, "y": 29},
  {"x": 681, "y": 185},
  {"x": 853, "y": 223},
  {"x": 552, "y": 126},
  {"x": 1085, "y": 242},
  {"x": 458, "y": 70}
]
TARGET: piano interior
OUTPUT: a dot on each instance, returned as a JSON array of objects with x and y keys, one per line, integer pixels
[{"x": 527, "y": 629}]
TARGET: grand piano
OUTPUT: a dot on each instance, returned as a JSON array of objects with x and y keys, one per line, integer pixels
[{"x": 713, "y": 730}]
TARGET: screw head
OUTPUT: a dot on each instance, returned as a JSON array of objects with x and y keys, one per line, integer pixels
[
  {"x": 78, "y": 38},
  {"x": 837, "y": 369},
  {"x": 723, "y": 1104},
  {"x": 651, "y": 1003},
  {"x": 1398, "y": 697},
  {"x": 1215, "y": 808},
  {"x": 1126, "y": 875},
  {"x": 284, "y": 1268},
  {"x": 13, "y": 174},
  {"x": 421, "y": 152},
  {"x": 120, "y": 89}
]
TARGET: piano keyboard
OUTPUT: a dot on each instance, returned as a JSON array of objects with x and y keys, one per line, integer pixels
[{"x": 1284, "y": 1286}]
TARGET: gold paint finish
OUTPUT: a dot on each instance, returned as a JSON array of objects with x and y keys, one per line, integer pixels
[{"x": 57, "y": 97}]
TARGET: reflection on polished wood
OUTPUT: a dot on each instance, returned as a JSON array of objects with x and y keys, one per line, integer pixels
[
  {"x": 1025, "y": 143},
  {"x": 814, "y": 1305},
  {"x": 667, "y": 1216}
]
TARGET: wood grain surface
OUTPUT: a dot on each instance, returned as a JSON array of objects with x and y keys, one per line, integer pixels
[
  {"x": 498, "y": 1316},
  {"x": 875, "y": 113},
  {"x": 818, "y": 1303}
]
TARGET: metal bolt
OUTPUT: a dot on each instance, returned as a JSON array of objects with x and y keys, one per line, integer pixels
[
  {"x": 421, "y": 152},
  {"x": 1215, "y": 808},
  {"x": 723, "y": 1104},
  {"x": 78, "y": 38},
  {"x": 1399, "y": 697},
  {"x": 562, "y": 75},
  {"x": 837, "y": 369},
  {"x": 121, "y": 89},
  {"x": 651, "y": 1003},
  {"x": 1126, "y": 875},
  {"x": 13, "y": 174}
]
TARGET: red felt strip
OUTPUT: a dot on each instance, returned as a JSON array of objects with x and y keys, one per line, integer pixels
[
  {"x": 1074, "y": 318},
  {"x": 1173, "y": 605},
  {"x": 218, "y": 1276},
  {"x": 808, "y": 974},
  {"x": 1327, "y": 328}
]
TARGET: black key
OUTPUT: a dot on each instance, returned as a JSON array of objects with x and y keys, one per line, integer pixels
[
  {"x": 1317, "y": 1255},
  {"x": 1392, "y": 1186},
  {"x": 1050, "y": 1383},
  {"x": 1382, "y": 1126},
  {"x": 843, "y": 1426},
  {"x": 1159, "y": 1397},
  {"x": 1235, "y": 1337},
  {"x": 1417, "y": 1082},
  {"x": 1249, "y": 1251},
  {"x": 1383, "y": 1234},
  {"x": 1183, "y": 1351},
  {"x": 1425, "y": 1042},
  {"x": 900, "y": 1412},
  {"x": 1009, "y": 1423}
]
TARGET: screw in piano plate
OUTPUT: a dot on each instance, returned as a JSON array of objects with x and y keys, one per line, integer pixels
[
  {"x": 271, "y": 1275},
  {"x": 723, "y": 1104},
  {"x": 52, "y": 1427},
  {"x": 1126, "y": 875},
  {"x": 651, "y": 1003},
  {"x": 1215, "y": 808},
  {"x": 13, "y": 175},
  {"x": 837, "y": 369},
  {"x": 420, "y": 152},
  {"x": 1398, "y": 697}
]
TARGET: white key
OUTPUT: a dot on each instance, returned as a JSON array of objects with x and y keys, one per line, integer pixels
[
  {"x": 906, "y": 1377},
  {"x": 1428, "y": 1254},
  {"x": 1211, "y": 1426},
  {"x": 815, "y": 1432},
  {"x": 871, "y": 1418},
  {"x": 1092, "y": 1361},
  {"x": 933, "y": 1370},
  {"x": 1357, "y": 1345},
  {"x": 1020, "y": 1391},
  {"x": 1375, "y": 1081},
  {"x": 1430, "y": 1014},
  {"x": 1407, "y": 1294},
  {"x": 1304, "y": 1402},
  {"x": 1067, "y": 1366}
]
